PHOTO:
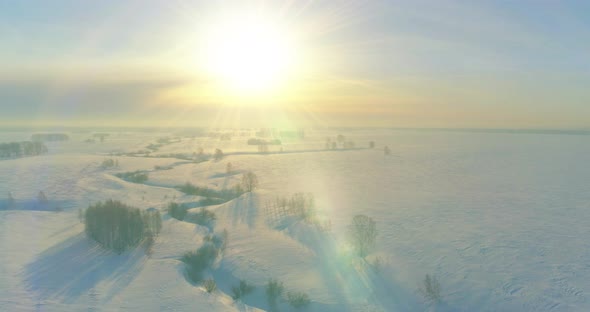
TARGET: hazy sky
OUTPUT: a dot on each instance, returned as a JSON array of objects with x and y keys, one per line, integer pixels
[{"x": 515, "y": 64}]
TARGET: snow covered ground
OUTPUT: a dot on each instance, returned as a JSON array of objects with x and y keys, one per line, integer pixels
[{"x": 499, "y": 218}]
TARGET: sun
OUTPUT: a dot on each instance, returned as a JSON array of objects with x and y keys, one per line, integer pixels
[{"x": 248, "y": 53}]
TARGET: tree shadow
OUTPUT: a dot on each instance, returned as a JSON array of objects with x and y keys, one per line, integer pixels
[
  {"x": 244, "y": 210},
  {"x": 77, "y": 265}
]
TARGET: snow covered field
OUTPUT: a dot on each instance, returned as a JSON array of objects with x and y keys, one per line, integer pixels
[{"x": 501, "y": 219}]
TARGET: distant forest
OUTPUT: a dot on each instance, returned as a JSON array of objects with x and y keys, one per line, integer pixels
[{"x": 21, "y": 149}]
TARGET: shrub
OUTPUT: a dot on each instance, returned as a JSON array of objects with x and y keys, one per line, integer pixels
[
  {"x": 204, "y": 217},
  {"x": 431, "y": 289},
  {"x": 20, "y": 149},
  {"x": 117, "y": 226},
  {"x": 229, "y": 168},
  {"x": 241, "y": 290},
  {"x": 213, "y": 197},
  {"x": 109, "y": 163},
  {"x": 135, "y": 176},
  {"x": 198, "y": 261},
  {"x": 176, "y": 211},
  {"x": 218, "y": 155},
  {"x": 249, "y": 181},
  {"x": 274, "y": 290},
  {"x": 362, "y": 234},
  {"x": 210, "y": 285},
  {"x": 298, "y": 300}
]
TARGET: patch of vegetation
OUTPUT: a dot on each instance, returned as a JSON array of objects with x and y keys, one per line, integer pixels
[
  {"x": 134, "y": 176},
  {"x": 218, "y": 155},
  {"x": 431, "y": 289},
  {"x": 210, "y": 285},
  {"x": 118, "y": 227},
  {"x": 300, "y": 205},
  {"x": 21, "y": 149},
  {"x": 176, "y": 211},
  {"x": 198, "y": 261},
  {"x": 109, "y": 163},
  {"x": 204, "y": 217},
  {"x": 362, "y": 234},
  {"x": 241, "y": 290},
  {"x": 249, "y": 181},
  {"x": 298, "y": 300},
  {"x": 274, "y": 291},
  {"x": 211, "y": 194}
]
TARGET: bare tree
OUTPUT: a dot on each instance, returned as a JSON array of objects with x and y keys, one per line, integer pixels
[
  {"x": 362, "y": 234},
  {"x": 249, "y": 181},
  {"x": 218, "y": 154}
]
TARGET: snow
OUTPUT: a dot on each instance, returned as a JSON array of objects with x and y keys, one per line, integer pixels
[{"x": 499, "y": 218}]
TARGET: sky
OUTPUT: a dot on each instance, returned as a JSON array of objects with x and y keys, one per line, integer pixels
[{"x": 437, "y": 63}]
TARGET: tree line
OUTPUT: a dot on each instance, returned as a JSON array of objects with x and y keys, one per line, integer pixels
[{"x": 20, "y": 149}]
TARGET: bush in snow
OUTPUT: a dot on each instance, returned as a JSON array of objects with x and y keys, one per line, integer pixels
[
  {"x": 176, "y": 211},
  {"x": 217, "y": 240},
  {"x": 274, "y": 290},
  {"x": 109, "y": 163},
  {"x": 135, "y": 176},
  {"x": 204, "y": 217},
  {"x": 249, "y": 181},
  {"x": 431, "y": 289},
  {"x": 118, "y": 227},
  {"x": 210, "y": 285},
  {"x": 218, "y": 155},
  {"x": 241, "y": 290},
  {"x": 298, "y": 300},
  {"x": 198, "y": 261},
  {"x": 362, "y": 234}
]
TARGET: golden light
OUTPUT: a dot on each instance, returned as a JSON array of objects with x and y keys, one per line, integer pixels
[{"x": 248, "y": 54}]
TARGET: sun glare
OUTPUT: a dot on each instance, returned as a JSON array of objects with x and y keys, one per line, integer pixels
[{"x": 248, "y": 54}]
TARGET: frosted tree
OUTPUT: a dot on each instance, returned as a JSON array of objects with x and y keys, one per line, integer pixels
[
  {"x": 42, "y": 198},
  {"x": 362, "y": 234},
  {"x": 249, "y": 181}
]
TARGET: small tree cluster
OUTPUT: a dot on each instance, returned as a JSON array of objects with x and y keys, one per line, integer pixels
[
  {"x": 198, "y": 261},
  {"x": 274, "y": 291},
  {"x": 176, "y": 211},
  {"x": 225, "y": 194},
  {"x": 249, "y": 181},
  {"x": 204, "y": 217},
  {"x": 135, "y": 176},
  {"x": 118, "y": 227},
  {"x": 109, "y": 163},
  {"x": 298, "y": 300},
  {"x": 241, "y": 290},
  {"x": 20, "y": 149},
  {"x": 210, "y": 285},
  {"x": 218, "y": 155},
  {"x": 362, "y": 234},
  {"x": 431, "y": 289}
]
